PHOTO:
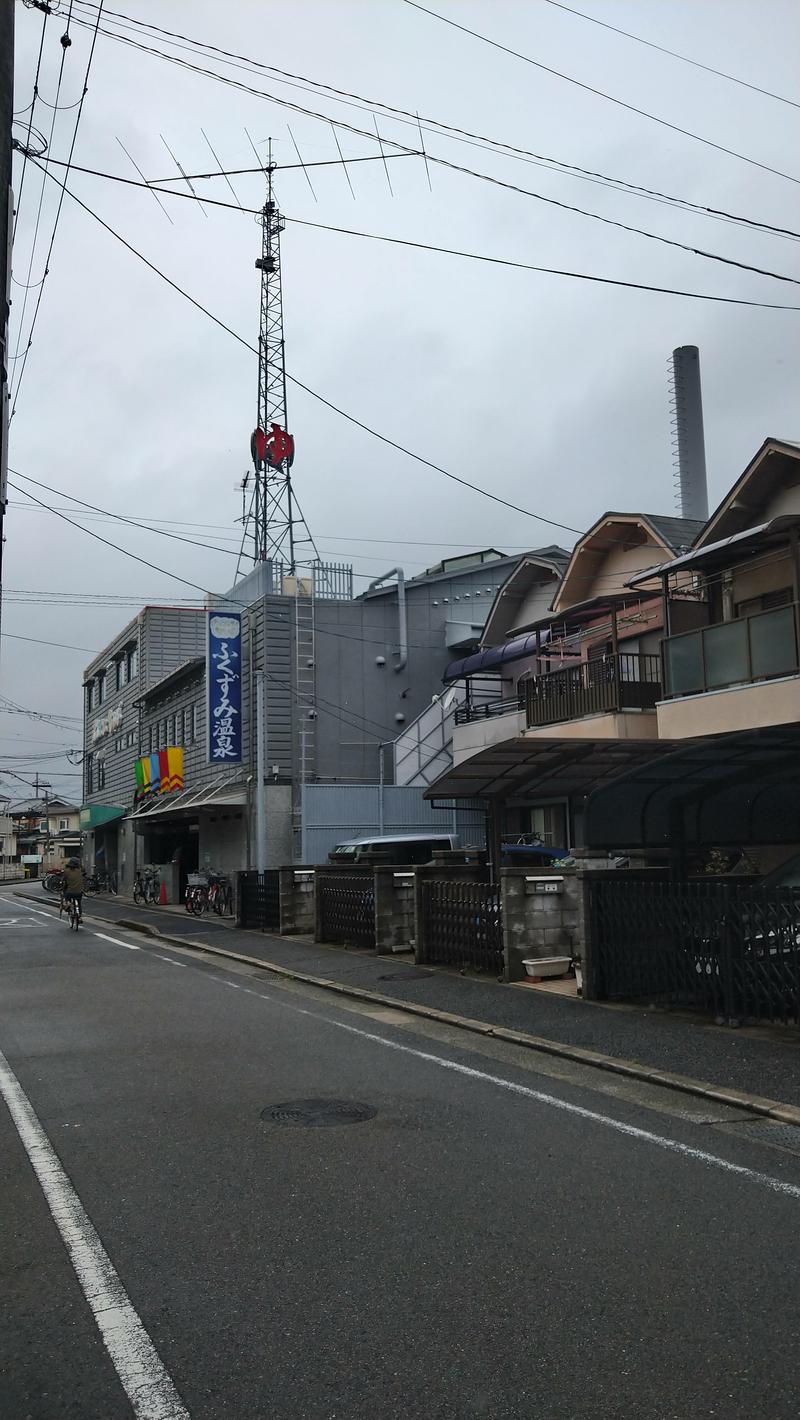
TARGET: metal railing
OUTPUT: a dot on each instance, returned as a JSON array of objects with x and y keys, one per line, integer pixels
[
  {"x": 346, "y": 904},
  {"x": 258, "y": 900},
  {"x": 462, "y": 925},
  {"x": 729, "y": 948},
  {"x": 740, "y": 652},
  {"x": 486, "y": 709},
  {"x": 621, "y": 681}
]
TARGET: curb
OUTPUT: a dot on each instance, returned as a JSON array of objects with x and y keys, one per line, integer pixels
[
  {"x": 718, "y": 1094},
  {"x": 754, "y": 1104}
]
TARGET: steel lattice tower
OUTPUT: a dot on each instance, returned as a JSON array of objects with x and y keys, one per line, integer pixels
[{"x": 275, "y": 512}]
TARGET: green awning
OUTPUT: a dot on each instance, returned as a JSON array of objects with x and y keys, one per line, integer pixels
[{"x": 95, "y": 815}]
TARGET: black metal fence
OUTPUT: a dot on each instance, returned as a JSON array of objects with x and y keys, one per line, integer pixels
[
  {"x": 727, "y": 947},
  {"x": 462, "y": 924},
  {"x": 259, "y": 901},
  {"x": 346, "y": 905}
]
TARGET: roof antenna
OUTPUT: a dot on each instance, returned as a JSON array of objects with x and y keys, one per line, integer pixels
[
  {"x": 182, "y": 173},
  {"x": 302, "y": 164},
  {"x": 144, "y": 179},
  {"x": 383, "y": 155},
  {"x": 424, "y": 154},
  {"x": 341, "y": 155},
  {"x": 222, "y": 170}
]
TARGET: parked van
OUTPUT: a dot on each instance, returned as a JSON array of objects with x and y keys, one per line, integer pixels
[{"x": 392, "y": 848}]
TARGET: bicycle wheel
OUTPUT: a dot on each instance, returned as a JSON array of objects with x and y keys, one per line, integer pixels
[
  {"x": 199, "y": 901},
  {"x": 222, "y": 904},
  {"x": 112, "y": 884},
  {"x": 139, "y": 895},
  {"x": 74, "y": 915}
]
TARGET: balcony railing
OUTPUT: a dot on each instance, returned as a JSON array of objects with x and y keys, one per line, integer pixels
[
  {"x": 742, "y": 652},
  {"x": 468, "y": 713},
  {"x": 615, "y": 682}
]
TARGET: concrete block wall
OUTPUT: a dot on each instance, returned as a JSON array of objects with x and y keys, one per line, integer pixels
[
  {"x": 394, "y": 909},
  {"x": 297, "y": 901},
  {"x": 542, "y": 924}
]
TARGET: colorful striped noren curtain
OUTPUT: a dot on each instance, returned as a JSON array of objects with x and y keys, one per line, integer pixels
[{"x": 160, "y": 773}]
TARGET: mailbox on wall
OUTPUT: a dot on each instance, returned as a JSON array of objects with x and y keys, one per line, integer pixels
[{"x": 544, "y": 884}]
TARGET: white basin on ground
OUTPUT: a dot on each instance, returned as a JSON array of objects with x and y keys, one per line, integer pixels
[{"x": 547, "y": 966}]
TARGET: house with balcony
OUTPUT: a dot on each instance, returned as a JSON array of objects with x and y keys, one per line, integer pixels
[
  {"x": 576, "y": 683},
  {"x": 728, "y": 714}
]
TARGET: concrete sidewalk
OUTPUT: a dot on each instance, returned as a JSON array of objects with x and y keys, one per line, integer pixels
[{"x": 762, "y": 1061}]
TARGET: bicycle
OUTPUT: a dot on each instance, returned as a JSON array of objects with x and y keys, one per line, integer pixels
[
  {"x": 147, "y": 888},
  {"x": 222, "y": 900},
  {"x": 197, "y": 894},
  {"x": 72, "y": 909}
]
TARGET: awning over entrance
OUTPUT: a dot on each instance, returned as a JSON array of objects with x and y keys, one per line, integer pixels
[
  {"x": 97, "y": 815},
  {"x": 721, "y": 791},
  {"x": 545, "y": 767},
  {"x": 231, "y": 794}
]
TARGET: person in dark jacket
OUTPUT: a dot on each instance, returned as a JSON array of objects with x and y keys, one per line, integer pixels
[{"x": 74, "y": 884}]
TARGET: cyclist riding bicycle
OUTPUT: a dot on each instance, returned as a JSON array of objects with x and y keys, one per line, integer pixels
[{"x": 74, "y": 884}]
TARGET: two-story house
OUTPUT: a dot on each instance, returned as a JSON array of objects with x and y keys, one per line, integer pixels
[{"x": 577, "y": 685}]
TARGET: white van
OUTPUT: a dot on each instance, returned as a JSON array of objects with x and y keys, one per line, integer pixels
[{"x": 393, "y": 847}]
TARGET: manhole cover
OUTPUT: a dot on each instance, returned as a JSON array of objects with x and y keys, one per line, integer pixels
[
  {"x": 318, "y": 1114},
  {"x": 408, "y": 975}
]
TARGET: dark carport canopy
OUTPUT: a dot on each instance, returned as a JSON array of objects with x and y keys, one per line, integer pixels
[
  {"x": 544, "y": 767},
  {"x": 720, "y": 791}
]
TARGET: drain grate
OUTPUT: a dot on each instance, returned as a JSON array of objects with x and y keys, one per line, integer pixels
[
  {"x": 410, "y": 974},
  {"x": 765, "y": 1131},
  {"x": 318, "y": 1114}
]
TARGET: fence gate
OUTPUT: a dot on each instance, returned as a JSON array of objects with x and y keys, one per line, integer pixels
[
  {"x": 259, "y": 901},
  {"x": 462, "y": 924},
  {"x": 347, "y": 908},
  {"x": 727, "y": 947}
]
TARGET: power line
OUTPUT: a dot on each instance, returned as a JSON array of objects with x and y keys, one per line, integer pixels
[
  {"x": 621, "y": 103},
  {"x": 673, "y": 54},
  {"x": 115, "y": 546},
  {"x": 29, "y": 285},
  {"x": 350, "y": 417},
  {"x": 471, "y": 172},
  {"x": 406, "y": 116},
  {"x": 32, "y": 107},
  {"x": 474, "y": 256},
  {"x": 61, "y": 645},
  {"x": 85, "y": 91}
]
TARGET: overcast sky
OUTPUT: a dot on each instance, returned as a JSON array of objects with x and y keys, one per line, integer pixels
[{"x": 550, "y": 391}]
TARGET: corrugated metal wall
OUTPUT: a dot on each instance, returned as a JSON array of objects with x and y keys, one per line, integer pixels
[
  {"x": 332, "y": 812},
  {"x": 270, "y": 617}
]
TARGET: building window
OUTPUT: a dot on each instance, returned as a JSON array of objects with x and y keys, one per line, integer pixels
[
  {"x": 63, "y": 825},
  {"x": 101, "y": 687},
  {"x": 171, "y": 730},
  {"x": 149, "y": 740},
  {"x": 89, "y": 774},
  {"x": 101, "y": 774},
  {"x": 162, "y": 734},
  {"x": 90, "y": 696},
  {"x": 195, "y": 721},
  {"x": 133, "y": 662}
]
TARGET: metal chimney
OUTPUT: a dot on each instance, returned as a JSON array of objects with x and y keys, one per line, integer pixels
[{"x": 688, "y": 443}]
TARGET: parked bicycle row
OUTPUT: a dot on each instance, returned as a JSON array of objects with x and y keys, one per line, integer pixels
[
  {"x": 209, "y": 892},
  {"x": 99, "y": 881}
]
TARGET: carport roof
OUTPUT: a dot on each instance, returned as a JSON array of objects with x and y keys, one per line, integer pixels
[
  {"x": 718, "y": 791},
  {"x": 554, "y": 767}
]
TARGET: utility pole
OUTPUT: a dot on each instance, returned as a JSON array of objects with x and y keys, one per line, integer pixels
[{"x": 6, "y": 220}]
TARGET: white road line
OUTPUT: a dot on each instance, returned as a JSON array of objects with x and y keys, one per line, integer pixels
[
  {"x": 632, "y": 1131},
  {"x": 38, "y": 910},
  {"x": 117, "y": 943},
  {"x": 145, "y": 1381}
]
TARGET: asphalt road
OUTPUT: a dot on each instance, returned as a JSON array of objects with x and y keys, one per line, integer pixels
[{"x": 492, "y": 1242}]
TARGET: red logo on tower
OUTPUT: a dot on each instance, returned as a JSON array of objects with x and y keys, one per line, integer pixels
[{"x": 274, "y": 448}]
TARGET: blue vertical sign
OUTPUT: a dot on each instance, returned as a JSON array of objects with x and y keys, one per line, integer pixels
[{"x": 224, "y": 680}]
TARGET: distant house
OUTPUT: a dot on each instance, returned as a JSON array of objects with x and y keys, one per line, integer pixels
[{"x": 46, "y": 833}]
